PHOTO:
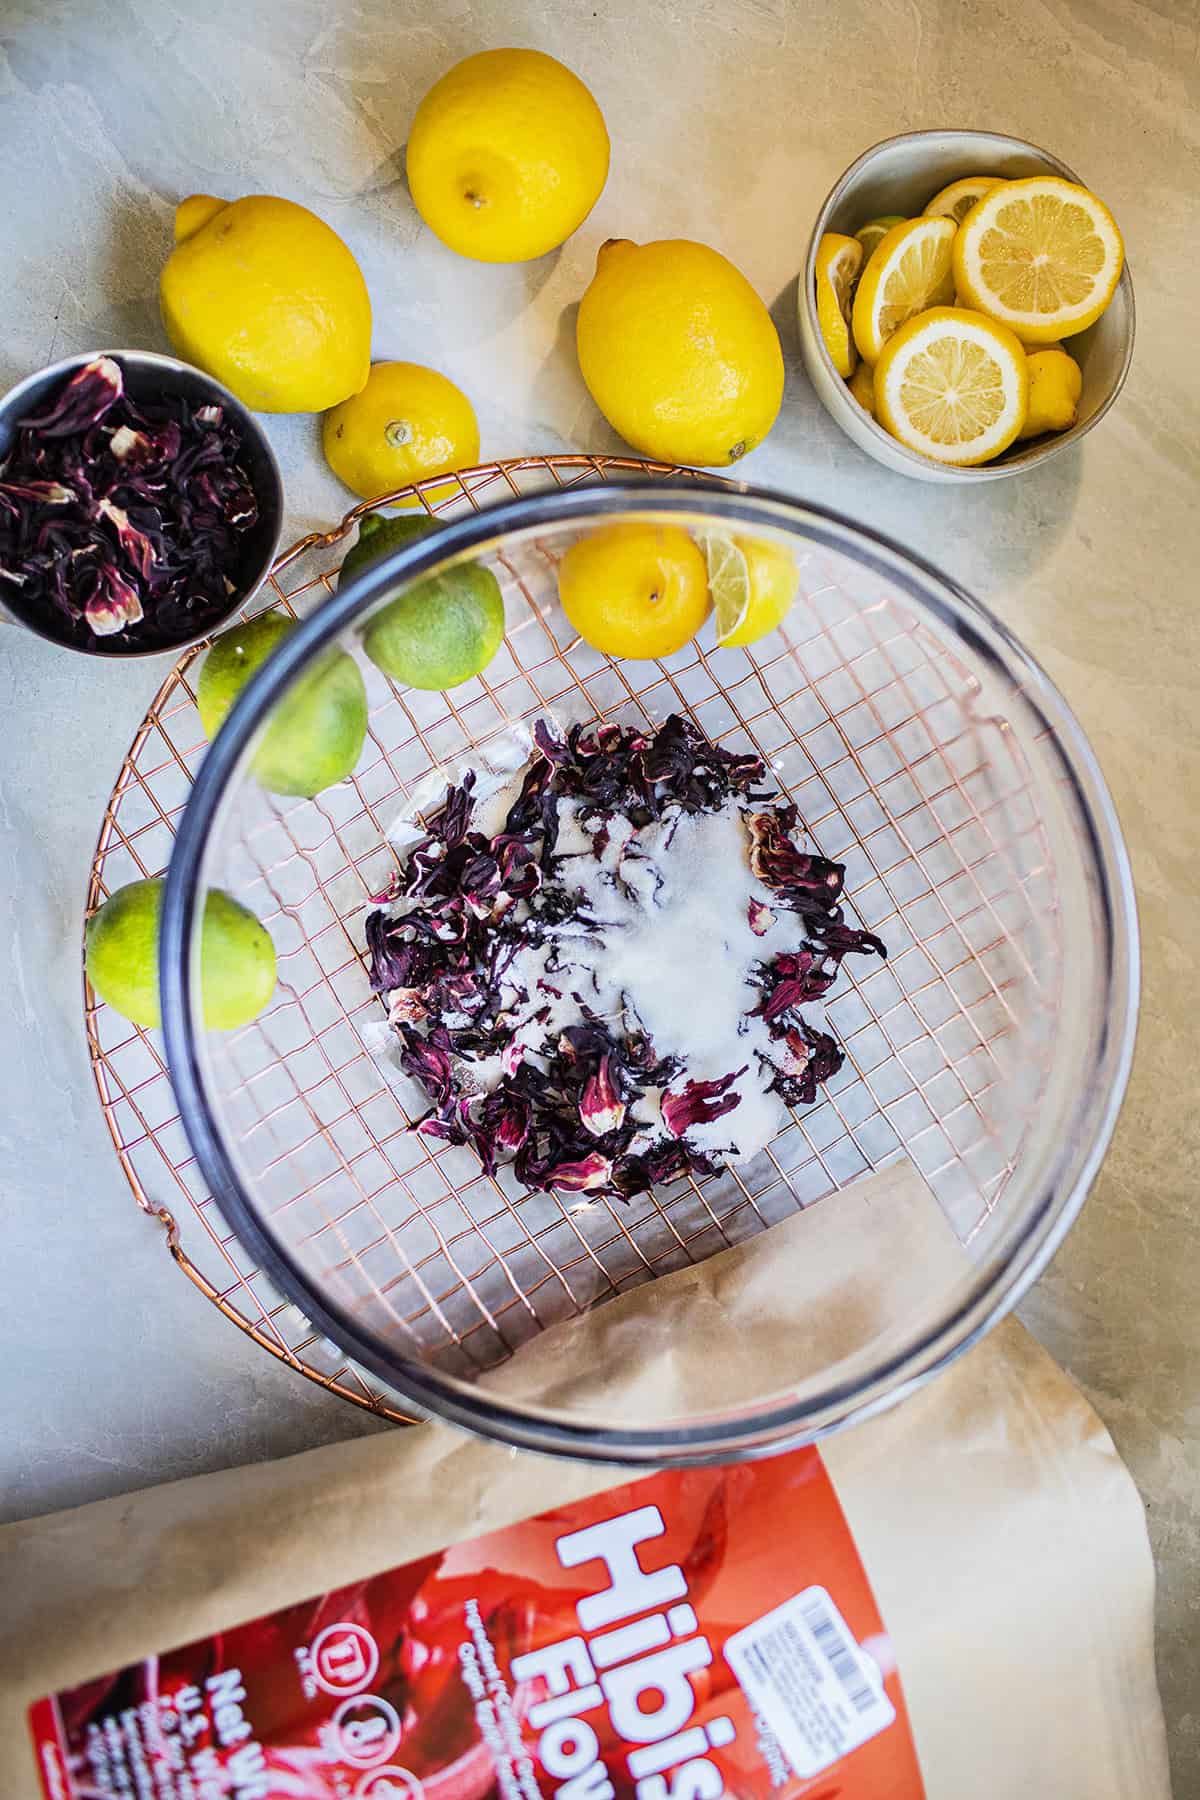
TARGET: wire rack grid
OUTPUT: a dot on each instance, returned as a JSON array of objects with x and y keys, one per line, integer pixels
[{"x": 870, "y": 723}]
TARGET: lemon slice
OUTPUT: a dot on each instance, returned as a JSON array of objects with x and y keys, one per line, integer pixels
[
  {"x": 956, "y": 200},
  {"x": 1042, "y": 255},
  {"x": 869, "y": 234},
  {"x": 839, "y": 260},
  {"x": 728, "y": 582},
  {"x": 953, "y": 385},
  {"x": 909, "y": 270}
]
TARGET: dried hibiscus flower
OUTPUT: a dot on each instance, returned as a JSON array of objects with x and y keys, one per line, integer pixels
[
  {"x": 610, "y": 975},
  {"x": 122, "y": 522}
]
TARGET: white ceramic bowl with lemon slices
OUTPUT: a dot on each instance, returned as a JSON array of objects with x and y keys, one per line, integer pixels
[{"x": 898, "y": 178}]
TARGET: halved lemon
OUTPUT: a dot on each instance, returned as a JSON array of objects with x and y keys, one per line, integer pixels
[
  {"x": 1042, "y": 255},
  {"x": 909, "y": 270},
  {"x": 869, "y": 235},
  {"x": 839, "y": 260},
  {"x": 954, "y": 385},
  {"x": 956, "y": 200},
  {"x": 728, "y": 581},
  {"x": 752, "y": 583}
]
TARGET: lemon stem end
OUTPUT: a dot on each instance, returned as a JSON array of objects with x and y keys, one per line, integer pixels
[
  {"x": 609, "y": 248},
  {"x": 192, "y": 214}
]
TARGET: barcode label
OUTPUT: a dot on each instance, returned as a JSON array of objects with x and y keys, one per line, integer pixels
[
  {"x": 829, "y": 1635},
  {"x": 800, "y": 1668}
]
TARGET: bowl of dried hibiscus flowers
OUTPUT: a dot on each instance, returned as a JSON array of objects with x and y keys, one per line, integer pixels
[{"x": 140, "y": 503}]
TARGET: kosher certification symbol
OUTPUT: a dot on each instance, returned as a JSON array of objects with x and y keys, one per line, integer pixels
[
  {"x": 392, "y": 1783},
  {"x": 366, "y": 1730},
  {"x": 344, "y": 1659}
]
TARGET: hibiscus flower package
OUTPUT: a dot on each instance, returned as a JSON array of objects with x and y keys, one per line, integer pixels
[{"x": 954, "y": 1598}]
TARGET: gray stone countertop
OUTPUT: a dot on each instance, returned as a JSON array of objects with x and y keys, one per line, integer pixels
[{"x": 730, "y": 119}]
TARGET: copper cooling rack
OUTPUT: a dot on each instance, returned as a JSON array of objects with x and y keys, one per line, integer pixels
[{"x": 952, "y": 867}]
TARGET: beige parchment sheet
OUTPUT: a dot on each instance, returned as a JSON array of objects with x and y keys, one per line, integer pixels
[{"x": 1003, "y": 1537}]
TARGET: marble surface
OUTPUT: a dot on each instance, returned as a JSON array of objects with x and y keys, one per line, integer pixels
[{"x": 730, "y": 119}]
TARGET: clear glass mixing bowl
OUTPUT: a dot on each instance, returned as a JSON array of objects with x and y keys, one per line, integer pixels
[{"x": 924, "y": 748}]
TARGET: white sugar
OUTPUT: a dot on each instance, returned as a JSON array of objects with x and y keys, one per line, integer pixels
[{"x": 671, "y": 949}]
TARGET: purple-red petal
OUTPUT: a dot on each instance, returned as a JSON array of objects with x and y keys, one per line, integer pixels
[
  {"x": 699, "y": 1103},
  {"x": 602, "y": 1108},
  {"x": 581, "y": 1176}
]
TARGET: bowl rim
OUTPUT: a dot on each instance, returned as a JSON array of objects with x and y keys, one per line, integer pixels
[
  {"x": 992, "y": 1289},
  {"x": 174, "y": 367},
  {"x": 994, "y": 471}
]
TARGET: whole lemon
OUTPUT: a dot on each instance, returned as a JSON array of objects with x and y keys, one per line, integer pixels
[
  {"x": 266, "y": 297},
  {"x": 678, "y": 352},
  {"x": 408, "y": 422},
  {"x": 1055, "y": 384},
  {"x": 635, "y": 590},
  {"x": 237, "y": 957},
  {"x": 507, "y": 155}
]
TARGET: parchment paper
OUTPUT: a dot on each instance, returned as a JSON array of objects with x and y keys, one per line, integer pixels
[{"x": 1003, "y": 1537}]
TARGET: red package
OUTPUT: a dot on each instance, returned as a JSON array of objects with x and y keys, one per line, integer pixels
[{"x": 689, "y": 1635}]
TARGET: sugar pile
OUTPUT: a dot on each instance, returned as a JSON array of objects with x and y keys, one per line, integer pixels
[{"x": 662, "y": 941}]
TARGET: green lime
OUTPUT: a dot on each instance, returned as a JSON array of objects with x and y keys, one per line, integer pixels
[
  {"x": 378, "y": 533},
  {"x": 438, "y": 632},
  {"x": 237, "y": 957},
  {"x": 316, "y": 732}
]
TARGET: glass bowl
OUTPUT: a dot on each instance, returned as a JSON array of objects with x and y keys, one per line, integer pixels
[{"x": 925, "y": 750}]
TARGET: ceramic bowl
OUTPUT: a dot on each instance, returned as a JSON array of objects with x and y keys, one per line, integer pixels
[{"x": 901, "y": 176}]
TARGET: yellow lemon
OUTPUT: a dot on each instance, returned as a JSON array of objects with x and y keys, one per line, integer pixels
[
  {"x": 635, "y": 590},
  {"x": 1042, "y": 255},
  {"x": 266, "y": 297},
  {"x": 507, "y": 155},
  {"x": 871, "y": 234},
  {"x": 909, "y": 270},
  {"x": 752, "y": 583},
  {"x": 839, "y": 260},
  {"x": 956, "y": 200},
  {"x": 678, "y": 352},
  {"x": 406, "y": 423},
  {"x": 953, "y": 385},
  {"x": 862, "y": 386},
  {"x": 1055, "y": 384}
]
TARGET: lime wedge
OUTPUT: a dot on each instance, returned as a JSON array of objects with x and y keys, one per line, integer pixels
[{"x": 728, "y": 582}]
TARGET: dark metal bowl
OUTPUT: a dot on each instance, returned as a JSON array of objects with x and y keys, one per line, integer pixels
[{"x": 148, "y": 376}]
